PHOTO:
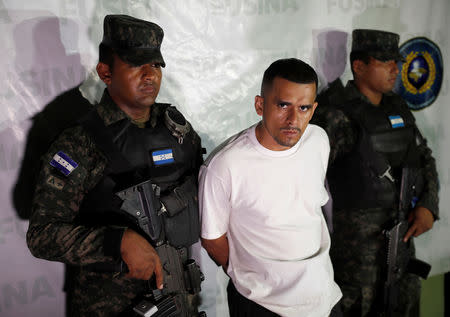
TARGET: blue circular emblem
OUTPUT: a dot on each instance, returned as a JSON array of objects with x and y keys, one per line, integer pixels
[{"x": 421, "y": 73}]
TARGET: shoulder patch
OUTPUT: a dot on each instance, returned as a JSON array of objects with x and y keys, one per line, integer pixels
[
  {"x": 55, "y": 182},
  {"x": 63, "y": 163}
]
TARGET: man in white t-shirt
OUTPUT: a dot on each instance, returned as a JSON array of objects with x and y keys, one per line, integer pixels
[{"x": 261, "y": 194}]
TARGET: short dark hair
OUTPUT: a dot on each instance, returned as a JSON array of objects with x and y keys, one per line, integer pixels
[
  {"x": 359, "y": 55},
  {"x": 291, "y": 69},
  {"x": 106, "y": 55}
]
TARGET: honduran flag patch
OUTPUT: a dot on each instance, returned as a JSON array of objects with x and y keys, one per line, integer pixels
[
  {"x": 163, "y": 157},
  {"x": 397, "y": 121},
  {"x": 63, "y": 163}
]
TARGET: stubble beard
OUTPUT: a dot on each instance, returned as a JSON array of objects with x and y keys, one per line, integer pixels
[{"x": 289, "y": 142}]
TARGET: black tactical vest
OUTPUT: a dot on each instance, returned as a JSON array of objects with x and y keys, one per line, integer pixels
[
  {"x": 386, "y": 143},
  {"x": 136, "y": 155}
]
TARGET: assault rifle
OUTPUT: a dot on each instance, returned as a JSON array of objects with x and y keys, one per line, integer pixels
[
  {"x": 399, "y": 253},
  {"x": 182, "y": 276}
]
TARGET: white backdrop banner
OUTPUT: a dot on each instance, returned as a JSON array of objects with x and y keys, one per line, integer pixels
[{"x": 216, "y": 52}]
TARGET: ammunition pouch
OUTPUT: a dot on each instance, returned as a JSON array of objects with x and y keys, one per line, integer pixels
[{"x": 181, "y": 215}]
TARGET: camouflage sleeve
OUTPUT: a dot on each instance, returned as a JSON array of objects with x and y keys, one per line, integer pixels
[
  {"x": 341, "y": 132},
  {"x": 53, "y": 232},
  {"x": 429, "y": 198}
]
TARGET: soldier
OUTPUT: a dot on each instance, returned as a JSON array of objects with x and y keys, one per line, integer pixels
[
  {"x": 373, "y": 138},
  {"x": 127, "y": 139}
]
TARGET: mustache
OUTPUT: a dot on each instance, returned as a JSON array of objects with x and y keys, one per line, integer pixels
[
  {"x": 291, "y": 128},
  {"x": 147, "y": 84}
]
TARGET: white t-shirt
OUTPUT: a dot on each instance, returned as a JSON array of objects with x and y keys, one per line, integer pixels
[{"x": 269, "y": 204}]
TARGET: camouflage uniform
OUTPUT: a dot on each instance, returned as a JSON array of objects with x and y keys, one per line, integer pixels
[
  {"x": 55, "y": 233},
  {"x": 357, "y": 249},
  {"x": 58, "y": 229}
]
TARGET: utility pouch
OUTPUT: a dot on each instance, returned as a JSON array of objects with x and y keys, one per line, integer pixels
[{"x": 181, "y": 219}]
